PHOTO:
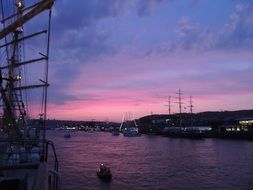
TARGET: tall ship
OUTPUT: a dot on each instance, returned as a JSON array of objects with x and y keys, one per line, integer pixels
[
  {"x": 183, "y": 129},
  {"x": 28, "y": 160}
]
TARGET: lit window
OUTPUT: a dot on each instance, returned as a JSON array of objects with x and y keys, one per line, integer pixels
[{"x": 246, "y": 122}]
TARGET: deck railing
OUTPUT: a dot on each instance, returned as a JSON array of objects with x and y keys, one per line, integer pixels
[{"x": 24, "y": 154}]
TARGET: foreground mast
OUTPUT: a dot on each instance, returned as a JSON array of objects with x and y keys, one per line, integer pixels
[
  {"x": 12, "y": 87},
  {"x": 24, "y": 149}
]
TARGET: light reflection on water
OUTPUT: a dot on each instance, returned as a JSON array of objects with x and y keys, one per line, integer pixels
[{"x": 153, "y": 162}]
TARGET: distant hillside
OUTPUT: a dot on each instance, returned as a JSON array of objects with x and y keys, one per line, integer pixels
[
  {"x": 209, "y": 115},
  {"x": 202, "y": 118},
  {"x": 155, "y": 123},
  {"x": 226, "y": 115}
]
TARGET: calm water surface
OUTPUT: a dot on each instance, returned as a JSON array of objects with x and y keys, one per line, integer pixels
[{"x": 153, "y": 162}]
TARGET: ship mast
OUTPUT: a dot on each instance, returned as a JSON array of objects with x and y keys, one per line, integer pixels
[
  {"x": 180, "y": 106},
  {"x": 191, "y": 108},
  {"x": 11, "y": 87},
  {"x": 169, "y": 105},
  {"x": 33, "y": 11}
]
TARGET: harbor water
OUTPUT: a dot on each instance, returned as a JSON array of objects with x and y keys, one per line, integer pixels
[{"x": 152, "y": 162}]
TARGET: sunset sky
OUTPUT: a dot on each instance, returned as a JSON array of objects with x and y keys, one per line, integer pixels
[{"x": 109, "y": 57}]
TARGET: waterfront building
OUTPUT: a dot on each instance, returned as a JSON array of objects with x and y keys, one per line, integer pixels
[{"x": 238, "y": 128}]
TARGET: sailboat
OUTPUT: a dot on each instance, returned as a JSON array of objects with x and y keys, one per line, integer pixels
[
  {"x": 25, "y": 152},
  {"x": 128, "y": 126}
]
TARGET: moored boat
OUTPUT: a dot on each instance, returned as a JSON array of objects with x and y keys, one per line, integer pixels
[
  {"x": 131, "y": 132},
  {"x": 129, "y": 127},
  {"x": 184, "y": 132}
]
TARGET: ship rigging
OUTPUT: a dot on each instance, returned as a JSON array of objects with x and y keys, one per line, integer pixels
[{"x": 24, "y": 72}]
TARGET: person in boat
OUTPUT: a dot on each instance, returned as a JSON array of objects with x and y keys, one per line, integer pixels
[{"x": 104, "y": 169}]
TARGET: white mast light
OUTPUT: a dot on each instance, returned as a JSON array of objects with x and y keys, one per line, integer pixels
[{"x": 20, "y": 5}]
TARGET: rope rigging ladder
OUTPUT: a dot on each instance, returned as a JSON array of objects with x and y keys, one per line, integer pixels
[{"x": 11, "y": 87}]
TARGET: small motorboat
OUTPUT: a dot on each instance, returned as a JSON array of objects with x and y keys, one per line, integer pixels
[{"x": 104, "y": 172}]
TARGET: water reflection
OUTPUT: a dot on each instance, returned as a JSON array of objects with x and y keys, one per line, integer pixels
[{"x": 153, "y": 162}]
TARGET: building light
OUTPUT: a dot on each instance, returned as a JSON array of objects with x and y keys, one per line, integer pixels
[{"x": 246, "y": 122}]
